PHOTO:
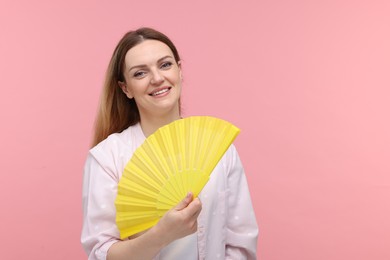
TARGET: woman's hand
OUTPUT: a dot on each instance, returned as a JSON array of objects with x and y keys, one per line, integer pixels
[
  {"x": 181, "y": 220},
  {"x": 178, "y": 222}
]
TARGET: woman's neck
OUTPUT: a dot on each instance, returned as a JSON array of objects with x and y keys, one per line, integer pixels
[{"x": 150, "y": 124}]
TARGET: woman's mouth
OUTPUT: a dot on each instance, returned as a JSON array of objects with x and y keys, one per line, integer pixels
[{"x": 160, "y": 91}]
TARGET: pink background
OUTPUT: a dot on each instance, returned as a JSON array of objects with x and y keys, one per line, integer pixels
[{"x": 306, "y": 81}]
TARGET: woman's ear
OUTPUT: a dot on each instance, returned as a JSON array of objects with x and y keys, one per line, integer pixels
[
  {"x": 123, "y": 86},
  {"x": 179, "y": 65}
]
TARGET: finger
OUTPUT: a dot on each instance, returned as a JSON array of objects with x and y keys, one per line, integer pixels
[
  {"x": 198, "y": 211},
  {"x": 184, "y": 203},
  {"x": 194, "y": 208}
]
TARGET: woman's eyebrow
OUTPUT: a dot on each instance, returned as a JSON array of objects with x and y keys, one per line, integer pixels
[{"x": 143, "y": 66}]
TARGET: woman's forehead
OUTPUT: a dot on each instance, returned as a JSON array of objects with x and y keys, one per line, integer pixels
[{"x": 148, "y": 51}]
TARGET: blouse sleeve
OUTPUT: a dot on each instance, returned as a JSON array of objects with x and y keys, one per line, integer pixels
[
  {"x": 242, "y": 230},
  {"x": 99, "y": 230}
]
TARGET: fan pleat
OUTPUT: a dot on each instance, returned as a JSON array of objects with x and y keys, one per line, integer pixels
[{"x": 130, "y": 189}]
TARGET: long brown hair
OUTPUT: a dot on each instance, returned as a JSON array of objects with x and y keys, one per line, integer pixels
[{"x": 116, "y": 111}]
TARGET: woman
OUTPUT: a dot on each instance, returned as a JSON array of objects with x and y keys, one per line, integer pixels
[{"x": 141, "y": 94}]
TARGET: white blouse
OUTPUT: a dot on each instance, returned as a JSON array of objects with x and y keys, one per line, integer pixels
[
  {"x": 183, "y": 248},
  {"x": 227, "y": 227}
]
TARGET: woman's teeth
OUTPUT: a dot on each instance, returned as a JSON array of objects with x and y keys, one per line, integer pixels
[{"x": 160, "y": 92}]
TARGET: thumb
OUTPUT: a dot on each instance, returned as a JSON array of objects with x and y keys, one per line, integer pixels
[{"x": 184, "y": 203}]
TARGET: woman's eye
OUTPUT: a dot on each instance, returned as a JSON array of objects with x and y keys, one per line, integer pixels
[
  {"x": 166, "y": 65},
  {"x": 139, "y": 74}
]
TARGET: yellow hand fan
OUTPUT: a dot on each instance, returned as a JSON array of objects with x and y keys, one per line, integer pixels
[{"x": 177, "y": 158}]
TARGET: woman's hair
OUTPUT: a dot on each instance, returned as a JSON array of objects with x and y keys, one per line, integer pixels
[{"x": 116, "y": 111}]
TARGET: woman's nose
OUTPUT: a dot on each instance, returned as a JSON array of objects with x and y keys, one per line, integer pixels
[{"x": 157, "y": 78}]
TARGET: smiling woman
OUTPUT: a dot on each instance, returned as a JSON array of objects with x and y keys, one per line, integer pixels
[
  {"x": 141, "y": 94},
  {"x": 153, "y": 78},
  {"x": 117, "y": 111}
]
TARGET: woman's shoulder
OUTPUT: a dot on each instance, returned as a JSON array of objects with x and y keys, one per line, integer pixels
[
  {"x": 231, "y": 153},
  {"x": 114, "y": 152},
  {"x": 231, "y": 158},
  {"x": 116, "y": 143}
]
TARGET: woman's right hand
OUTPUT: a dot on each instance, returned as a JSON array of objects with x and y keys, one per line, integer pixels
[
  {"x": 178, "y": 222},
  {"x": 181, "y": 220}
]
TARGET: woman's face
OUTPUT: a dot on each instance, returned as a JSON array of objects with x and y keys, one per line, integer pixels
[{"x": 153, "y": 78}]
